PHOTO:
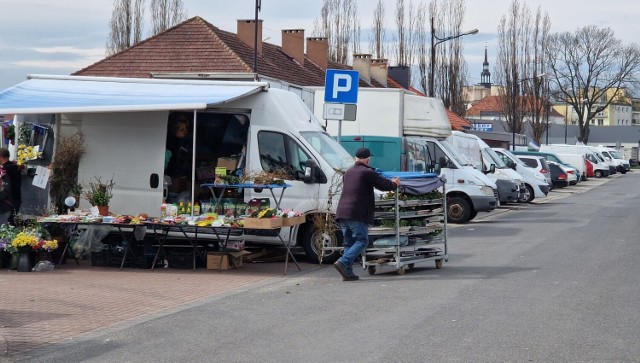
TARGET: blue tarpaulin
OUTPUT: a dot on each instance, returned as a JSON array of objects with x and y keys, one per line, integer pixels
[{"x": 416, "y": 183}]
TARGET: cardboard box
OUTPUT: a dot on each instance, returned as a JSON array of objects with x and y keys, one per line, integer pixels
[
  {"x": 229, "y": 260},
  {"x": 236, "y": 245},
  {"x": 292, "y": 221},
  {"x": 229, "y": 163},
  {"x": 262, "y": 223}
]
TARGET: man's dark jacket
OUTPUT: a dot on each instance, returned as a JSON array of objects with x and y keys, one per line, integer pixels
[
  {"x": 13, "y": 171},
  {"x": 357, "y": 200}
]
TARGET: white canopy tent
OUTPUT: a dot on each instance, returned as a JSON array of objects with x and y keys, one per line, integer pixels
[{"x": 50, "y": 94}]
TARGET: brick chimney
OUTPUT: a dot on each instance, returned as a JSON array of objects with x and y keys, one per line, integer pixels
[
  {"x": 318, "y": 51},
  {"x": 293, "y": 44},
  {"x": 379, "y": 71},
  {"x": 246, "y": 32},
  {"x": 362, "y": 64}
]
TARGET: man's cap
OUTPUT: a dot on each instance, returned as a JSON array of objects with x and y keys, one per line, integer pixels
[{"x": 363, "y": 153}]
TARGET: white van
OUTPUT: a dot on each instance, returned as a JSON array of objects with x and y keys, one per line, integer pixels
[
  {"x": 612, "y": 156},
  {"x": 138, "y": 130},
  {"x": 599, "y": 165},
  {"x": 536, "y": 184},
  {"x": 482, "y": 157}
]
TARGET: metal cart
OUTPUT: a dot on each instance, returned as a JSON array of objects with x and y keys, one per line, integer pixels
[{"x": 411, "y": 227}]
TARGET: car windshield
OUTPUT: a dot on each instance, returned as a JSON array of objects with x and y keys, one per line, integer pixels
[
  {"x": 329, "y": 148},
  {"x": 512, "y": 157},
  {"x": 456, "y": 155},
  {"x": 492, "y": 157}
]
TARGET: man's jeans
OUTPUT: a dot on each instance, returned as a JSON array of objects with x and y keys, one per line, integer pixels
[{"x": 356, "y": 240}]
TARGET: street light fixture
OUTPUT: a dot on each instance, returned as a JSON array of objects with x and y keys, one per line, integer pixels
[{"x": 435, "y": 41}]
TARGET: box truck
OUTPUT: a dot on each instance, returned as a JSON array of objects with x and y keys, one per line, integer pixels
[
  {"x": 406, "y": 132},
  {"x": 142, "y": 132}
]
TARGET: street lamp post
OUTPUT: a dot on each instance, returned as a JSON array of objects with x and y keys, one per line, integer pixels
[{"x": 435, "y": 41}]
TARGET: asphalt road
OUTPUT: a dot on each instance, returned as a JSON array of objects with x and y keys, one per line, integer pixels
[{"x": 555, "y": 281}]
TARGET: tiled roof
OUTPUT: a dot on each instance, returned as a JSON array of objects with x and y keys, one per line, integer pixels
[
  {"x": 492, "y": 105},
  {"x": 457, "y": 122},
  {"x": 196, "y": 46}
]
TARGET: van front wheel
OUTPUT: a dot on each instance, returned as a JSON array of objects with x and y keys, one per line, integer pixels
[
  {"x": 458, "y": 210},
  {"x": 316, "y": 243}
]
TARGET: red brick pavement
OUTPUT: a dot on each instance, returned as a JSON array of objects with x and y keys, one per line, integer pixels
[{"x": 41, "y": 308}]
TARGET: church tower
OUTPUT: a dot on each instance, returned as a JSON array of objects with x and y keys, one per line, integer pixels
[{"x": 485, "y": 76}]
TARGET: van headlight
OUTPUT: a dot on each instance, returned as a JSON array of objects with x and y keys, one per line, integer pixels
[{"x": 487, "y": 190}]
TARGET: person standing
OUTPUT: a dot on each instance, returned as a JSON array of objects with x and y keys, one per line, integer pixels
[
  {"x": 356, "y": 207},
  {"x": 15, "y": 182},
  {"x": 6, "y": 205}
]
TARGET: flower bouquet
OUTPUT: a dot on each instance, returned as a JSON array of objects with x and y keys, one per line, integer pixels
[{"x": 291, "y": 217}]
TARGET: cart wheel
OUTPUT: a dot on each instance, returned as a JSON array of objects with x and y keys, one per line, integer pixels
[
  {"x": 371, "y": 270},
  {"x": 411, "y": 265},
  {"x": 402, "y": 270},
  {"x": 439, "y": 263}
]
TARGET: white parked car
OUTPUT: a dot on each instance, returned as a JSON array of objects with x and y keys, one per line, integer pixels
[{"x": 536, "y": 183}]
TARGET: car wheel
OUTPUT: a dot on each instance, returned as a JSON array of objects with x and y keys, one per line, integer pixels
[
  {"x": 598, "y": 173},
  {"x": 473, "y": 214},
  {"x": 527, "y": 194},
  {"x": 458, "y": 210}
]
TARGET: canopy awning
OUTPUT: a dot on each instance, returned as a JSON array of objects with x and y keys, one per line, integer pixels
[{"x": 43, "y": 94}]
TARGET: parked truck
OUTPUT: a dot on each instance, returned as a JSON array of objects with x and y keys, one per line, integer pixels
[
  {"x": 407, "y": 132},
  {"x": 141, "y": 132}
]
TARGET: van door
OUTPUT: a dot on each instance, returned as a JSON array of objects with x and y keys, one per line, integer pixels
[
  {"x": 279, "y": 153},
  {"x": 129, "y": 148}
]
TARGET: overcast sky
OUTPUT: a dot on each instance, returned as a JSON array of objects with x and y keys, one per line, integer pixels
[{"x": 63, "y": 36}]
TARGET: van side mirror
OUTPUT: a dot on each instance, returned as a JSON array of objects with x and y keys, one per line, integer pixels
[
  {"x": 512, "y": 165},
  {"x": 313, "y": 173},
  {"x": 492, "y": 169}
]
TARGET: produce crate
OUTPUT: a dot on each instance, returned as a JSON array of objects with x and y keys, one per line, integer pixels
[{"x": 262, "y": 223}]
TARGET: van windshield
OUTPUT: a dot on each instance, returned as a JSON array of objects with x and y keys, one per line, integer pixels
[
  {"x": 329, "y": 149},
  {"x": 615, "y": 154},
  {"x": 461, "y": 160}
]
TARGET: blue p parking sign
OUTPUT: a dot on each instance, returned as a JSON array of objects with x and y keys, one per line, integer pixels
[{"x": 341, "y": 86}]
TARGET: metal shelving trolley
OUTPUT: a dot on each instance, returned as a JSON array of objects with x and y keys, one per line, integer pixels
[{"x": 410, "y": 224}]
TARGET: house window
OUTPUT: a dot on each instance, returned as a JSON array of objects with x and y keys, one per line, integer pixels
[{"x": 600, "y": 122}]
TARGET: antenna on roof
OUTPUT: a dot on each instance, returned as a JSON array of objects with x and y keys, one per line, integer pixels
[{"x": 255, "y": 39}]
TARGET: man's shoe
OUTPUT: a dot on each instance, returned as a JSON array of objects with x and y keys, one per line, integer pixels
[
  {"x": 342, "y": 269},
  {"x": 351, "y": 278}
]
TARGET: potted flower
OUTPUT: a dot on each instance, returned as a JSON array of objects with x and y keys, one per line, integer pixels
[
  {"x": 7, "y": 251},
  {"x": 24, "y": 242},
  {"x": 99, "y": 194}
]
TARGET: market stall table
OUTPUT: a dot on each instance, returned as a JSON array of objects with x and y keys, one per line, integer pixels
[
  {"x": 221, "y": 233},
  {"x": 223, "y": 187},
  {"x": 122, "y": 229}
]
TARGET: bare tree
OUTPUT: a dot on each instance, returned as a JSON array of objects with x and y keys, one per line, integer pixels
[
  {"x": 165, "y": 14},
  {"x": 450, "y": 71},
  {"x": 520, "y": 69},
  {"x": 422, "y": 46},
  {"x": 340, "y": 24},
  {"x": 404, "y": 40},
  {"x": 377, "y": 45},
  {"x": 125, "y": 25},
  {"x": 590, "y": 69}
]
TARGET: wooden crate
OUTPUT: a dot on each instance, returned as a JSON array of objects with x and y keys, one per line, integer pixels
[
  {"x": 292, "y": 221},
  {"x": 262, "y": 223}
]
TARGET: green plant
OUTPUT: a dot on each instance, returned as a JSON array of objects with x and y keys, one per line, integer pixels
[
  {"x": 97, "y": 192},
  {"x": 64, "y": 169}
]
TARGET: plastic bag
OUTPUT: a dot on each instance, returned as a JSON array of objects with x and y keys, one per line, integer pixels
[
  {"x": 90, "y": 240},
  {"x": 43, "y": 266}
]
